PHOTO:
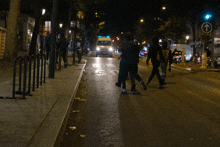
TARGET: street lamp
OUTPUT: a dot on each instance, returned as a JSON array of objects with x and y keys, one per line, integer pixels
[
  {"x": 163, "y": 8},
  {"x": 43, "y": 11},
  {"x": 141, "y": 20},
  {"x": 187, "y": 37},
  {"x": 61, "y": 25}
]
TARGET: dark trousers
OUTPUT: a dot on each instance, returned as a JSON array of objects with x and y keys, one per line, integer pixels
[
  {"x": 155, "y": 71},
  {"x": 64, "y": 57},
  {"x": 133, "y": 73},
  {"x": 123, "y": 73},
  {"x": 48, "y": 52}
]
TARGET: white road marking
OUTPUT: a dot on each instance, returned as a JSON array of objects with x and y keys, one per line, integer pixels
[{"x": 203, "y": 98}]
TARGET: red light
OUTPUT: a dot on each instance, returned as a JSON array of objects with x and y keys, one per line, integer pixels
[
  {"x": 113, "y": 40},
  {"x": 118, "y": 39}
]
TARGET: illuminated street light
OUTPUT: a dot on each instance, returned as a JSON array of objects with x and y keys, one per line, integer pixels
[
  {"x": 163, "y": 8},
  {"x": 61, "y": 25},
  {"x": 69, "y": 31},
  {"x": 141, "y": 20},
  {"x": 43, "y": 11},
  {"x": 187, "y": 37}
]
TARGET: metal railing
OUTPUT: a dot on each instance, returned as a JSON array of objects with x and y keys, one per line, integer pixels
[{"x": 39, "y": 77}]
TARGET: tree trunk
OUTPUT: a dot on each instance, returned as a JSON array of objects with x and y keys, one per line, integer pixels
[{"x": 11, "y": 31}]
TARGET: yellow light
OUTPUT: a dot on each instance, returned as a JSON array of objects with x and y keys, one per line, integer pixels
[
  {"x": 141, "y": 20},
  {"x": 164, "y": 8}
]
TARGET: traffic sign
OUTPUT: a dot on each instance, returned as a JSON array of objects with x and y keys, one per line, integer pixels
[{"x": 206, "y": 27}]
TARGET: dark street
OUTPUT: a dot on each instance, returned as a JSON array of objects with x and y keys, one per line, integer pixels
[{"x": 184, "y": 113}]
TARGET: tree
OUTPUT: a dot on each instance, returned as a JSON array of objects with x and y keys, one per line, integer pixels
[
  {"x": 11, "y": 32},
  {"x": 173, "y": 28}
]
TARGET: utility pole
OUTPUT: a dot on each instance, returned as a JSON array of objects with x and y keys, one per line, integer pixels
[{"x": 53, "y": 39}]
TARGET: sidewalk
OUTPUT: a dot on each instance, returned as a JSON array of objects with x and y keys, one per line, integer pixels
[
  {"x": 37, "y": 120},
  {"x": 190, "y": 67}
]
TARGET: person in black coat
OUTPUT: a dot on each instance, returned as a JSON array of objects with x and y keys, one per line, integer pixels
[
  {"x": 128, "y": 64},
  {"x": 155, "y": 54},
  {"x": 62, "y": 43},
  {"x": 48, "y": 44}
]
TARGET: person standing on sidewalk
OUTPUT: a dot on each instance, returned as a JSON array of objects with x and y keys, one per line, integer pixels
[
  {"x": 48, "y": 44},
  {"x": 155, "y": 53},
  {"x": 63, "y": 45}
]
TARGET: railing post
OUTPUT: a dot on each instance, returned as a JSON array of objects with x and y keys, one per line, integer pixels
[
  {"x": 44, "y": 67},
  {"x": 34, "y": 68},
  {"x": 38, "y": 66},
  {"x": 20, "y": 71},
  {"x": 14, "y": 75},
  {"x": 29, "y": 77},
  {"x": 24, "y": 77},
  {"x": 41, "y": 77}
]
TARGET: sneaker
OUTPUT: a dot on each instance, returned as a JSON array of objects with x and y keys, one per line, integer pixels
[
  {"x": 117, "y": 84},
  {"x": 160, "y": 87},
  {"x": 123, "y": 91},
  {"x": 143, "y": 85}
]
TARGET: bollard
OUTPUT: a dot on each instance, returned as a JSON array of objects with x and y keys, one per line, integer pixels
[
  {"x": 29, "y": 77},
  {"x": 44, "y": 67},
  {"x": 24, "y": 77},
  {"x": 41, "y": 77},
  {"x": 20, "y": 71},
  {"x": 34, "y": 68},
  {"x": 14, "y": 75},
  {"x": 38, "y": 66}
]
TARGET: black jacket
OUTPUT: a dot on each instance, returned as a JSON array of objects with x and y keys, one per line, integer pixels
[{"x": 154, "y": 52}]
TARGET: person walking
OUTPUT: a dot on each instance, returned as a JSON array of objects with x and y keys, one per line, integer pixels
[
  {"x": 166, "y": 61},
  {"x": 63, "y": 44},
  {"x": 155, "y": 54},
  {"x": 48, "y": 44},
  {"x": 128, "y": 64},
  {"x": 133, "y": 73}
]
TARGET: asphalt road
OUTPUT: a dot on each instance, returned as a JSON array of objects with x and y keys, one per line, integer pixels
[{"x": 186, "y": 113}]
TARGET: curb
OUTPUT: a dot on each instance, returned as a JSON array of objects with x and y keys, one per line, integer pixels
[
  {"x": 198, "y": 69},
  {"x": 50, "y": 132},
  {"x": 64, "y": 121}
]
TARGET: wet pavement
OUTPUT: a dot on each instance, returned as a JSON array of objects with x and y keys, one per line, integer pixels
[{"x": 184, "y": 113}]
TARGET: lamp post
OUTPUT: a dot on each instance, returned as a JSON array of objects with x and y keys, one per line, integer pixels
[{"x": 53, "y": 40}]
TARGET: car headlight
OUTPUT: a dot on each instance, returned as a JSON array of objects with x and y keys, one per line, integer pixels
[
  {"x": 97, "y": 48},
  {"x": 110, "y": 49}
]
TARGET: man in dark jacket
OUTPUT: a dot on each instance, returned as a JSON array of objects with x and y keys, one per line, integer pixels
[
  {"x": 134, "y": 70},
  {"x": 128, "y": 63},
  {"x": 155, "y": 52},
  {"x": 48, "y": 44},
  {"x": 62, "y": 43}
]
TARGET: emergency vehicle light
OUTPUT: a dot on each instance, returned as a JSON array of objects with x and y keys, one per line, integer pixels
[
  {"x": 99, "y": 36},
  {"x": 108, "y": 36}
]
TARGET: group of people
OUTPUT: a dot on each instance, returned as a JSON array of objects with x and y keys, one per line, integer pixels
[
  {"x": 159, "y": 56},
  {"x": 62, "y": 46}
]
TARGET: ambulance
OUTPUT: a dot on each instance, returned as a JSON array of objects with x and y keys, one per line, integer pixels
[{"x": 104, "y": 46}]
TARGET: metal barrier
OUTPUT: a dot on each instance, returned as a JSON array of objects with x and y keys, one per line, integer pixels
[{"x": 40, "y": 66}]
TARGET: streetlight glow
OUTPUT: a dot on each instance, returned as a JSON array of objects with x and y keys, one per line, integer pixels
[
  {"x": 61, "y": 25},
  {"x": 164, "y": 8},
  {"x": 69, "y": 31},
  {"x": 141, "y": 20},
  {"x": 187, "y": 37},
  {"x": 43, "y": 11}
]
